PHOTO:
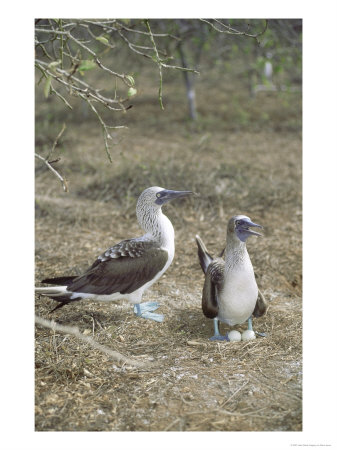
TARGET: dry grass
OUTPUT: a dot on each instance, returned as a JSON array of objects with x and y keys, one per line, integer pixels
[{"x": 193, "y": 384}]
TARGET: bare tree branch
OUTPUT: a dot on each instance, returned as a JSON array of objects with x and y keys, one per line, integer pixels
[
  {"x": 105, "y": 127},
  {"x": 227, "y": 29},
  {"x": 48, "y": 162},
  {"x": 148, "y": 33},
  {"x": 55, "y": 172},
  {"x": 56, "y": 141},
  {"x": 160, "y": 93}
]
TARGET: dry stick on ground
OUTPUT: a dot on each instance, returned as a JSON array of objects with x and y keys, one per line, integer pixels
[{"x": 74, "y": 331}]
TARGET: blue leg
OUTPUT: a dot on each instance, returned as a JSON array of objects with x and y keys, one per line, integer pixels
[
  {"x": 137, "y": 310},
  {"x": 217, "y": 336},
  {"x": 250, "y": 327},
  {"x": 144, "y": 310}
]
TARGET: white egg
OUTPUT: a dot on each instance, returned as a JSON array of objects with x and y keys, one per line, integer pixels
[
  {"x": 248, "y": 335},
  {"x": 234, "y": 336}
]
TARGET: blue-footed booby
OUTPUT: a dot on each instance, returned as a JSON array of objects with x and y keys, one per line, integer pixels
[
  {"x": 230, "y": 292},
  {"x": 127, "y": 269}
]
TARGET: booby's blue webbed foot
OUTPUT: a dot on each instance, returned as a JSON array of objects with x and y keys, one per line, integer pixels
[
  {"x": 260, "y": 334},
  {"x": 145, "y": 310},
  {"x": 250, "y": 327},
  {"x": 217, "y": 336},
  {"x": 146, "y": 306}
]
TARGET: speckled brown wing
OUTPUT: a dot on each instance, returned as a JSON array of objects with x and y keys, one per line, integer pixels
[
  {"x": 261, "y": 306},
  {"x": 123, "y": 268},
  {"x": 214, "y": 276}
]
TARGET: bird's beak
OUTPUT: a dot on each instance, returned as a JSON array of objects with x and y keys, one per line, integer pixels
[
  {"x": 252, "y": 224},
  {"x": 167, "y": 195}
]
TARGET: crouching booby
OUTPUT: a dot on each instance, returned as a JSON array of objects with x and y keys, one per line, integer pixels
[
  {"x": 230, "y": 292},
  {"x": 130, "y": 267}
]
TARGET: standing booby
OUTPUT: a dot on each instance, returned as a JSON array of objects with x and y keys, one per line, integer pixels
[
  {"x": 130, "y": 267},
  {"x": 230, "y": 292}
]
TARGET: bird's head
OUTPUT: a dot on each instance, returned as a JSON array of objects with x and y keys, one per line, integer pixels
[
  {"x": 155, "y": 196},
  {"x": 240, "y": 226},
  {"x": 150, "y": 202}
]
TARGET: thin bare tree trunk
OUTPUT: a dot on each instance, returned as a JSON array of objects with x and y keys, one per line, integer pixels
[{"x": 189, "y": 83}]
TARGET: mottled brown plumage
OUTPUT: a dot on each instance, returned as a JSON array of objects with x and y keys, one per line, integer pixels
[
  {"x": 261, "y": 306},
  {"x": 213, "y": 278},
  {"x": 123, "y": 268}
]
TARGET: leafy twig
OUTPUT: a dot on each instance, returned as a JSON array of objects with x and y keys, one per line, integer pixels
[
  {"x": 64, "y": 77},
  {"x": 87, "y": 49}
]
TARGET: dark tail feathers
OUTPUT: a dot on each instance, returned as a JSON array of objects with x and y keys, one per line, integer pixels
[
  {"x": 204, "y": 257},
  {"x": 60, "y": 281}
]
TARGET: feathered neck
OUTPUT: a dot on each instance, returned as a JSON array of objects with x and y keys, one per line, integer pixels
[
  {"x": 156, "y": 225},
  {"x": 235, "y": 251}
]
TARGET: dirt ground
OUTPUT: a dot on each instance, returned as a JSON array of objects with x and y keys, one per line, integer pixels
[{"x": 194, "y": 384}]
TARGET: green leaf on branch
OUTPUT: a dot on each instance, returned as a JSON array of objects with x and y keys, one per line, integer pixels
[
  {"x": 87, "y": 64},
  {"x": 52, "y": 66},
  {"x": 103, "y": 40},
  {"x": 130, "y": 79},
  {"x": 132, "y": 91}
]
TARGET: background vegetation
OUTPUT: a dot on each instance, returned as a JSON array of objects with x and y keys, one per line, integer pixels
[{"x": 97, "y": 65}]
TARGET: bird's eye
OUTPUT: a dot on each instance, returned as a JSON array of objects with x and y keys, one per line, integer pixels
[{"x": 158, "y": 195}]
